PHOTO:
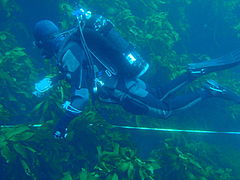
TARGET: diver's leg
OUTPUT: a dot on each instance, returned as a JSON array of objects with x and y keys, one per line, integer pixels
[
  {"x": 171, "y": 87},
  {"x": 195, "y": 70},
  {"x": 221, "y": 63},
  {"x": 149, "y": 105},
  {"x": 138, "y": 101},
  {"x": 211, "y": 89}
]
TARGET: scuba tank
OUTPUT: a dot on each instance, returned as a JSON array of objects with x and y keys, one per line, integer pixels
[{"x": 106, "y": 45}]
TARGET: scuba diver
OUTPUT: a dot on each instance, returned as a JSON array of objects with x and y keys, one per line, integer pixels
[{"x": 98, "y": 62}]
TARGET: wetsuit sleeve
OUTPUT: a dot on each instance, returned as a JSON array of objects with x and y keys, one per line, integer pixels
[
  {"x": 72, "y": 63},
  {"x": 73, "y": 68}
]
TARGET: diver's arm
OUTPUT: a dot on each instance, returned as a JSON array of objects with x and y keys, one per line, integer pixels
[
  {"x": 73, "y": 108},
  {"x": 72, "y": 63},
  {"x": 79, "y": 100}
]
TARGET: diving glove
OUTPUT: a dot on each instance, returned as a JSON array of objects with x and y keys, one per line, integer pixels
[{"x": 42, "y": 87}]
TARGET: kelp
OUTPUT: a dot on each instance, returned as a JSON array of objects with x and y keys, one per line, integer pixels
[
  {"x": 31, "y": 150},
  {"x": 190, "y": 163},
  {"x": 124, "y": 164},
  {"x": 67, "y": 20},
  {"x": 14, "y": 150},
  {"x": 8, "y": 41},
  {"x": 22, "y": 149},
  {"x": 15, "y": 77},
  {"x": 8, "y": 7},
  {"x": 160, "y": 33},
  {"x": 4, "y": 114},
  {"x": 38, "y": 156}
]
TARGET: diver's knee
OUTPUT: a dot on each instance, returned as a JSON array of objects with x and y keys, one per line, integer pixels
[
  {"x": 137, "y": 107},
  {"x": 134, "y": 106},
  {"x": 137, "y": 88}
]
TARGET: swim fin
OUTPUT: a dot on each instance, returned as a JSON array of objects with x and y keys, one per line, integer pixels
[
  {"x": 221, "y": 63},
  {"x": 217, "y": 90}
]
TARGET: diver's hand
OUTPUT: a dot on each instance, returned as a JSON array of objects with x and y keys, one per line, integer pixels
[
  {"x": 42, "y": 86},
  {"x": 60, "y": 134}
]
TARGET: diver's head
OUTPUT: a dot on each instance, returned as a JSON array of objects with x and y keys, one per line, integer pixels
[{"x": 46, "y": 37}]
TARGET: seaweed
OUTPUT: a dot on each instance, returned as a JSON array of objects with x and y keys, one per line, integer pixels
[
  {"x": 16, "y": 75},
  {"x": 186, "y": 162}
]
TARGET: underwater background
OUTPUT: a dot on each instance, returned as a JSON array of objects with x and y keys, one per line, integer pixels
[{"x": 169, "y": 34}]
